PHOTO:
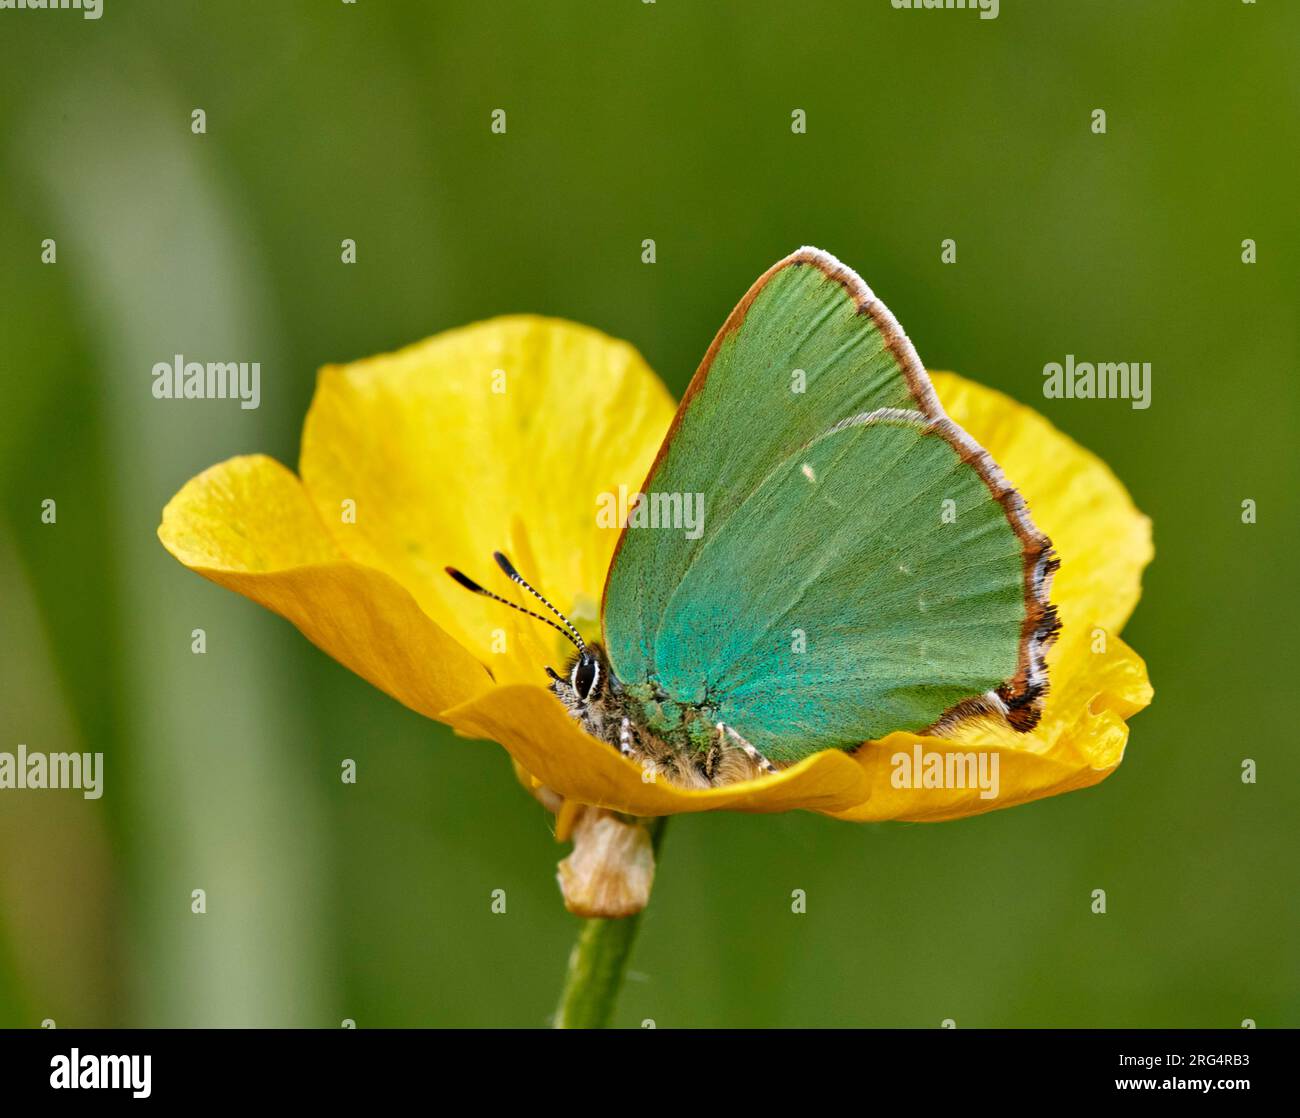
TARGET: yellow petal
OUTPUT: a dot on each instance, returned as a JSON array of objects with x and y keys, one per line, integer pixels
[
  {"x": 1103, "y": 541},
  {"x": 247, "y": 524},
  {"x": 547, "y": 743},
  {"x": 501, "y": 436}
]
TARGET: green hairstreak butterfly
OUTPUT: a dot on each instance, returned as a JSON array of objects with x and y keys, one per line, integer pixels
[{"x": 862, "y": 564}]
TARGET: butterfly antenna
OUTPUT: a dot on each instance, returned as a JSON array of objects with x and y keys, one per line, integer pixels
[
  {"x": 515, "y": 576},
  {"x": 469, "y": 584}
]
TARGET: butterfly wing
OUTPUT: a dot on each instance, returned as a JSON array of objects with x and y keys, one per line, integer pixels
[
  {"x": 808, "y": 346},
  {"x": 871, "y": 582}
]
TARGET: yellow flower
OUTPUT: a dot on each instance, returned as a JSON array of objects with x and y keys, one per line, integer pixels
[{"x": 497, "y": 436}]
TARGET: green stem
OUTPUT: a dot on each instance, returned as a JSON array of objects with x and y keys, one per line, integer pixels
[{"x": 597, "y": 963}]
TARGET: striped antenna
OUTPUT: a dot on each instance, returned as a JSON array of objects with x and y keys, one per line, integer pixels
[
  {"x": 515, "y": 576},
  {"x": 567, "y": 629}
]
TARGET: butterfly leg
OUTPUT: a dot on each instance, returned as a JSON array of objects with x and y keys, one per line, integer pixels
[
  {"x": 761, "y": 762},
  {"x": 625, "y": 738},
  {"x": 711, "y": 759}
]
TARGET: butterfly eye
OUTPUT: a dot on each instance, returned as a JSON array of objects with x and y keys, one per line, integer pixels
[{"x": 586, "y": 676}]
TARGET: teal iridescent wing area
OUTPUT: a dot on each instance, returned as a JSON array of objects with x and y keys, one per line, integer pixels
[
  {"x": 863, "y": 566},
  {"x": 870, "y": 583}
]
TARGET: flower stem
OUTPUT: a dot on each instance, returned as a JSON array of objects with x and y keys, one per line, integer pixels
[{"x": 597, "y": 962}]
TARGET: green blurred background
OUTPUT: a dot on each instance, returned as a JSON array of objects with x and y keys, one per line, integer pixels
[{"x": 628, "y": 120}]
